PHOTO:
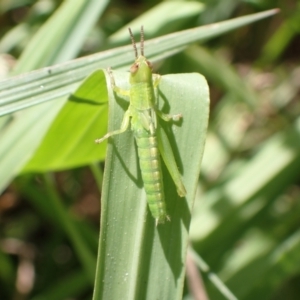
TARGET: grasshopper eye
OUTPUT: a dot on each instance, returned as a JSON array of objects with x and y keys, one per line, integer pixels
[
  {"x": 149, "y": 64},
  {"x": 134, "y": 68}
]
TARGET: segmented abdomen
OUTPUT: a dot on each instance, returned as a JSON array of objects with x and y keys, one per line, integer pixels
[{"x": 152, "y": 176}]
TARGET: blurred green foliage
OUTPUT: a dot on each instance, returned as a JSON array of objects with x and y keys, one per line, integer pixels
[{"x": 245, "y": 223}]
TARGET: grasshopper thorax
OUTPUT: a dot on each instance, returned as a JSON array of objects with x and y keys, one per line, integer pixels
[{"x": 141, "y": 70}]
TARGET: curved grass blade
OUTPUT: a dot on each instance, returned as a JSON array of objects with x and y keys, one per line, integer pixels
[{"x": 60, "y": 80}]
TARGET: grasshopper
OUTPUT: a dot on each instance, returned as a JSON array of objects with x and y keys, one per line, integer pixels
[{"x": 142, "y": 113}]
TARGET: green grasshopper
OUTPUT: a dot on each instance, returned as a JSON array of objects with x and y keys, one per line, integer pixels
[{"x": 142, "y": 113}]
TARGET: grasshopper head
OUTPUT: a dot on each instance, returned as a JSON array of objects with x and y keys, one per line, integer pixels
[{"x": 141, "y": 70}]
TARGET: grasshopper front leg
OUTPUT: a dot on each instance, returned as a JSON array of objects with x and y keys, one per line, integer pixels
[
  {"x": 124, "y": 126},
  {"x": 115, "y": 88},
  {"x": 127, "y": 115}
]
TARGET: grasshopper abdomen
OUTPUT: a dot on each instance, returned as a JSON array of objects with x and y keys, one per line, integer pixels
[{"x": 150, "y": 165}]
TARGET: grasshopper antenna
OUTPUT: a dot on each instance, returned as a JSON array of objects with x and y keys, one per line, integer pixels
[
  {"x": 133, "y": 43},
  {"x": 142, "y": 40}
]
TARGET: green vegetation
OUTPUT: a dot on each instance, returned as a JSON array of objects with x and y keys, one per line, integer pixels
[{"x": 243, "y": 211}]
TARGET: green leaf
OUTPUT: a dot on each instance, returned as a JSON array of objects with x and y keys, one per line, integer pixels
[
  {"x": 136, "y": 259},
  {"x": 60, "y": 80},
  {"x": 73, "y": 141},
  {"x": 22, "y": 133}
]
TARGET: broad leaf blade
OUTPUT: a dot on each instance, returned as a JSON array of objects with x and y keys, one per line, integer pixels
[
  {"x": 69, "y": 141},
  {"x": 138, "y": 260}
]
